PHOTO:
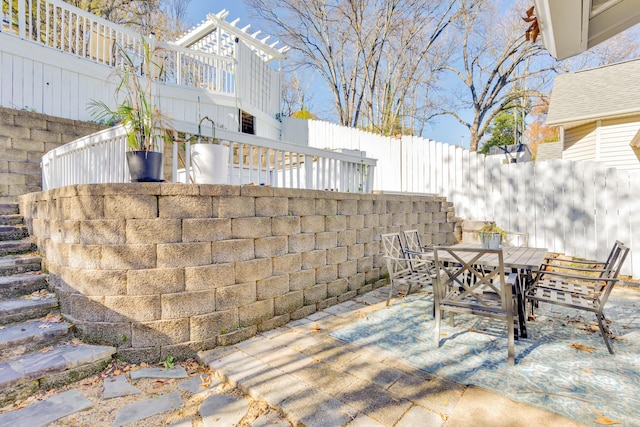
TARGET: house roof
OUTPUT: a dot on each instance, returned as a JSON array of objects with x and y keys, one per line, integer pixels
[
  {"x": 586, "y": 96},
  {"x": 569, "y": 27}
]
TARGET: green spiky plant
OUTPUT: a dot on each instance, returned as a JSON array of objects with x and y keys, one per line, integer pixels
[{"x": 136, "y": 109}]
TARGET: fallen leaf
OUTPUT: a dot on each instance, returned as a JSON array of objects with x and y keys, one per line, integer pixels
[
  {"x": 144, "y": 365},
  {"x": 44, "y": 326},
  {"x": 117, "y": 372},
  {"x": 604, "y": 420},
  {"x": 205, "y": 381},
  {"x": 587, "y": 371},
  {"x": 315, "y": 328},
  {"x": 46, "y": 350},
  {"x": 75, "y": 342},
  {"x": 583, "y": 347}
]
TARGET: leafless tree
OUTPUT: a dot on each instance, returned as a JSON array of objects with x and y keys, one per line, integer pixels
[
  {"x": 371, "y": 54},
  {"x": 496, "y": 67},
  {"x": 296, "y": 93}
]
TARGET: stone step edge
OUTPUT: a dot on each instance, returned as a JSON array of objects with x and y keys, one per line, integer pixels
[
  {"x": 21, "y": 309},
  {"x": 18, "y": 285},
  {"x": 9, "y": 209},
  {"x": 74, "y": 370},
  {"x": 22, "y": 333},
  {"x": 14, "y": 219},
  {"x": 16, "y": 247}
]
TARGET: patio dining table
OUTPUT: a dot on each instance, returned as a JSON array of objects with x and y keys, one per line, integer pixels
[{"x": 522, "y": 260}]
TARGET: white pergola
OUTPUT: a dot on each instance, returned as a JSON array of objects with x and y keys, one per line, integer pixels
[{"x": 569, "y": 27}]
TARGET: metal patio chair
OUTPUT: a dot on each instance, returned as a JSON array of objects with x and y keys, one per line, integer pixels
[
  {"x": 467, "y": 283},
  {"x": 579, "y": 289},
  {"x": 415, "y": 251},
  {"x": 402, "y": 271}
]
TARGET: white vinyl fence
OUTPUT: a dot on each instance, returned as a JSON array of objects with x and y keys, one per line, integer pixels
[{"x": 575, "y": 208}]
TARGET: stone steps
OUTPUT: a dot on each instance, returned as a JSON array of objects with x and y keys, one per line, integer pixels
[
  {"x": 18, "y": 264},
  {"x": 37, "y": 347},
  {"x": 50, "y": 367},
  {"x": 22, "y": 284},
  {"x": 13, "y": 232},
  {"x": 9, "y": 247},
  {"x": 22, "y": 309},
  {"x": 20, "y": 338},
  {"x": 9, "y": 209},
  {"x": 11, "y": 219}
]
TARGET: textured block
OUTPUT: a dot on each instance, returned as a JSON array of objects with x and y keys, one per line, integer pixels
[
  {"x": 287, "y": 263},
  {"x": 205, "y": 229},
  {"x": 312, "y": 224},
  {"x": 372, "y": 248},
  {"x": 128, "y": 257},
  {"x": 86, "y": 256},
  {"x": 234, "y": 207},
  {"x": 365, "y": 264},
  {"x": 255, "y": 313},
  {"x": 302, "y": 242},
  {"x": 327, "y": 273},
  {"x": 326, "y": 206},
  {"x": 96, "y": 282},
  {"x": 365, "y": 207},
  {"x": 187, "y": 304},
  {"x": 184, "y": 207},
  {"x": 130, "y": 206},
  {"x": 348, "y": 268},
  {"x": 272, "y": 287},
  {"x": 313, "y": 259},
  {"x": 285, "y": 225},
  {"x": 336, "y": 255},
  {"x": 267, "y": 247},
  {"x": 247, "y": 228},
  {"x": 303, "y": 312},
  {"x": 211, "y": 325},
  {"x": 371, "y": 221},
  {"x": 288, "y": 303},
  {"x": 346, "y": 238},
  {"x": 356, "y": 251},
  {"x": 272, "y": 206},
  {"x": 303, "y": 279},
  {"x": 355, "y": 222},
  {"x": 153, "y": 230},
  {"x": 209, "y": 276},
  {"x": 62, "y": 231},
  {"x": 274, "y": 322},
  {"x": 364, "y": 236},
  {"x": 102, "y": 232},
  {"x": 356, "y": 282},
  {"x": 302, "y": 207},
  {"x": 315, "y": 294},
  {"x": 155, "y": 281},
  {"x": 326, "y": 240},
  {"x": 228, "y": 297},
  {"x": 337, "y": 287},
  {"x": 399, "y": 219},
  {"x": 253, "y": 270},
  {"x": 347, "y": 207},
  {"x": 132, "y": 308},
  {"x": 90, "y": 309},
  {"x": 178, "y": 255},
  {"x": 225, "y": 251},
  {"x": 85, "y": 207},
  {"x": 335, "y": 223},
  {"x": 159, "y": 332}
]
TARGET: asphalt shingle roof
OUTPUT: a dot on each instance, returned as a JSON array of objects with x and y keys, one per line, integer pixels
[{"x": 584, "y": 96}]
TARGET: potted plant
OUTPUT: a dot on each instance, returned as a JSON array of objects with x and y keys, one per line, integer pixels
[
  {"x": 209, "y": 161},
  {"x": 491, "y": 236},
  {"x": 138, "y": 112}
]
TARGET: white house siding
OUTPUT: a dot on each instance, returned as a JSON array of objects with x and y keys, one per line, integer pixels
[
  {"x": 615, "y": 136},
  {"x": 580, "y": 143}
]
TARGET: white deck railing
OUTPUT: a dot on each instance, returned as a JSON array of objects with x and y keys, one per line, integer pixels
[
  {"x": 68, "y": 29},
  {"x": 100, "y": 158}
]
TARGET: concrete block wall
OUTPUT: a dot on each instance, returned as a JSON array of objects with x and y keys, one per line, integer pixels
[
  {"x": 24, "y": 138},
  {"x": 170, "y": 269}
]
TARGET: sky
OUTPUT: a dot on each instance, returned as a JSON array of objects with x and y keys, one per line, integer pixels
[{"x": 445, "y": 129}]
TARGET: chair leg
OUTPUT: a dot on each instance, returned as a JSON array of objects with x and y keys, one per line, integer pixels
[
  {"x": 390, "y": 292},
  {"x": 511, "y": 339},
  {"x": 438, "y": 315},
  {"x": 605, "y": 331}
]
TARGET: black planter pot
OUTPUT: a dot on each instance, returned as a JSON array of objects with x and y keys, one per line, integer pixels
[{"x": 145, "y": 166}]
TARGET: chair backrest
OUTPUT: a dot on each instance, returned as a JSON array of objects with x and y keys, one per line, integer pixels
[
  {"x": 467, "y": 275},
  {"x": 616, "y": 258},
  {"x": 394, "y": 253},
  {"x": 414, "y": 245}
]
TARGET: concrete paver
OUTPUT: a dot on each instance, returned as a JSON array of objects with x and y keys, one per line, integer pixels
[
  {"x": 221, "y": 410},
  {"x": 175, "y": 372},
  {"x": 118, "y": 386},
  {"x": 418, "y": 416},
  {"x": 46, "y": 411},
  {"x": 147, "y": 408},
  {"x": 199, "y": 384}
]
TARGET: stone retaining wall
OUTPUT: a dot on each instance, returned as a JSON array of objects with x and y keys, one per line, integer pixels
[
  {"x": 24, "y": 138},
  {"x": 170, "y": 269}
]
